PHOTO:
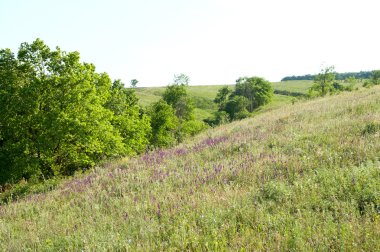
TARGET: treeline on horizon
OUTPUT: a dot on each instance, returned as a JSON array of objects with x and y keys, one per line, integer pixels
[{"x": 338, "y": 76}]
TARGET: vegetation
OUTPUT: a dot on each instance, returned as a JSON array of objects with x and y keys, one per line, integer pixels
[
  {"x": 257, "y": 90},
  {"x": 134, "y": 83},
  {"x": 54, "y": 118},
  {"x": 238, "y": 186},
  {"x": 374, "y": 80},
  {"x": 164, "y": 124},
  {"x": 249, "y": 94},
  {"x": 325, "y": 83},
  {"x": 59, "y": 116},
  {"x": 339, "y": 76},
  {"x": 303, "y": 177},
  {"x": 176, "y": 96}
]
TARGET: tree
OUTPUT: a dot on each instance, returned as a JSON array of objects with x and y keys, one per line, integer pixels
[
  {"x": 134, "y": 83},
  {"x": 258, "y": 91},
  {"x": 323, "y": 82},
  {"x": 222, "y": 97},
  {"x": 236, "y": 107},
  {"x": 163, "y": 123},
  {"x": 176, "y": 96},
  {"x": 375, "y": 77},
  {"x": 58, "y": 115},
  {"x": 181, "y": 79},
  {"x": 133, "y": 125}
]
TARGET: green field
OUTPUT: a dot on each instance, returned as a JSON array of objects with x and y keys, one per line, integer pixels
[{"x": 298, "y": 177}]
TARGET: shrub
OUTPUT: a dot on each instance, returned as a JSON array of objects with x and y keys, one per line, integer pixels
[{"x": 164, "y": 124}]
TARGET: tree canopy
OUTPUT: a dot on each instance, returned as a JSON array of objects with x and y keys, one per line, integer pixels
[
  {"x": 59, "y": 115},
  {"x": 249, "y": 94},
  {"x": 257, "y": 90},
  {"x": 323, "y": 82}
]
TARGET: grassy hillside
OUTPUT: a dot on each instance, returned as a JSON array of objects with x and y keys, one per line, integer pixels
[{"x": 300, "y": 177}]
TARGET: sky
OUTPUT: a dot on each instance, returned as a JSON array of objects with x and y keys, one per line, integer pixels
[{"x": 211, "y": 41}]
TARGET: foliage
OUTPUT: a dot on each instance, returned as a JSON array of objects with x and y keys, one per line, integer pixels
[
  {"x": 188, "y": 129},
  {"x": 219, "y": 117},
  {"x": 222, "y": 97},
  {"x": 181, "y": 79},
  {"x": 164, "y": 123},
  {"x": 375, "y": 77},
  {"x": 257, "y": 90},
  {"x": 133, "y": 125},
  {"x": 249, "y": 94},
  {"x": 339, "y": 76},
  {"x": 58, "y": 115},
  {"x": 323, "y": 82},
  {"x": 176, "y": 96},
  {"x": 134, "y": 83},
  {"x": 351, "y": 83},
  {"x": 236, "y": 107}
]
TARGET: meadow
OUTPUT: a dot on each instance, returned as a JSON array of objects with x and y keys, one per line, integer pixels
[{"x": 295, "y": 177}]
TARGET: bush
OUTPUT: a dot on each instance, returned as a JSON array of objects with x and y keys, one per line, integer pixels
[
  {"x": 258, "y": 91},
  {"x": 164, "y": 124},
  {"x": 236, "y": 107},
  {"x": 189, "y": 128}
]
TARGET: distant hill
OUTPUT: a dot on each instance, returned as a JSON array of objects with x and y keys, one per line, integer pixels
[{"x": 338, "y": 76}]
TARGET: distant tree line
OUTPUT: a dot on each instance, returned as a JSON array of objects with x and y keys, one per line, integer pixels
[
  {"x": 325, "y": 82},
  {"x": 58, "y": 115},
  {"x": 338, "y": 76}
]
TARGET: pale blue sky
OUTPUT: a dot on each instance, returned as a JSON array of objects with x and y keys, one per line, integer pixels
[{"x": 212, "y": 41}]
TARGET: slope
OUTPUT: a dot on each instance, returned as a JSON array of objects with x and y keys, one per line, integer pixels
[{"x": 301, "y": 177}]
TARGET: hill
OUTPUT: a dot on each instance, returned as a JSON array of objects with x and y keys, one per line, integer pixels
[{"x": 299, "y": 177}]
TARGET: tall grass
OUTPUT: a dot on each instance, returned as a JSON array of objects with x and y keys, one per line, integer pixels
[{"x": 302, "y": 177}]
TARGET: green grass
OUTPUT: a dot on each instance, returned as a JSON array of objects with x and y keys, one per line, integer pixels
[
  {"x": 300, "y": 177},
  {"x": 297, "y": 88}
]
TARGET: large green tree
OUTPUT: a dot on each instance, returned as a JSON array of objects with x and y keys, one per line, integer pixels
[
  {"x": 258, "y": 91},
  {"x": 176, "y": 96},
  {"x": 53, "y": 119}
]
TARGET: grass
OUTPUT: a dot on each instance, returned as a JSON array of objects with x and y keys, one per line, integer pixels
[
  {"x": 299, "y": 177},
  {"x": 292, "y": 88}
]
